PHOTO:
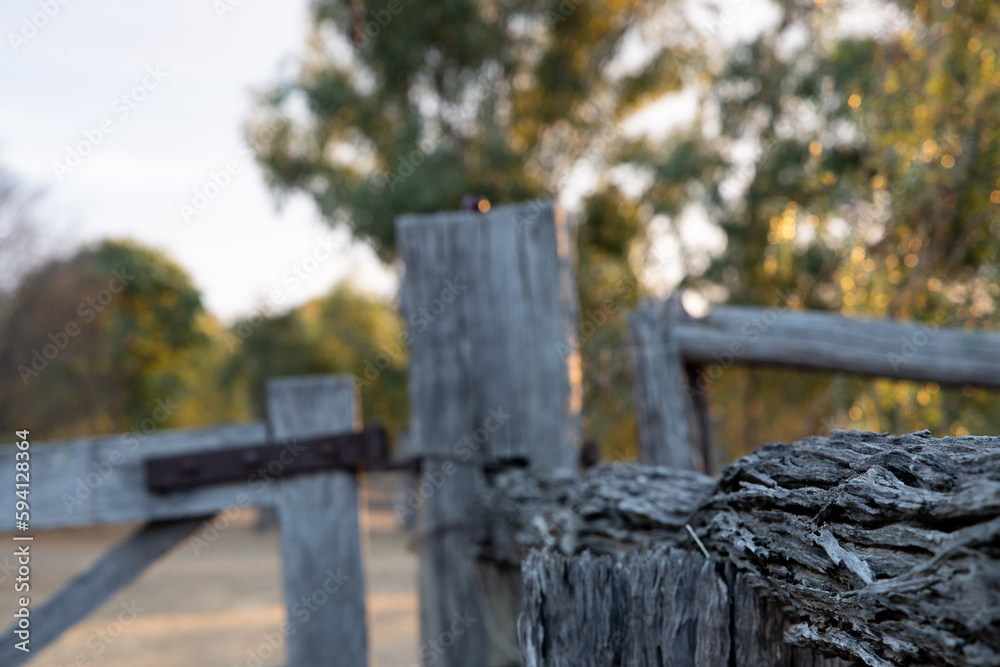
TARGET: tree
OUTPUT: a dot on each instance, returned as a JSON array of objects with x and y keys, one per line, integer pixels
[
  {"x": 408, "y": 108},
  {"x": 96, "y": 343},
  {"x": 346, "y": 332},
  {"x": 871, "y": 189}
]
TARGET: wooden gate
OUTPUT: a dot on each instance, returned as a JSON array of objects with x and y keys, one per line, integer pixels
[{"x": 103, "y": 479}]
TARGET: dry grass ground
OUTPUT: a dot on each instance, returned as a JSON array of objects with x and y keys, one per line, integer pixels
[{"x": 212, "y": 609}]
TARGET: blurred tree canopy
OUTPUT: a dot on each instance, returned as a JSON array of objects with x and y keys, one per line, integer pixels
[
  {"x": 115, "y": 339},
  {"x": 407, "y": 107},
  {"x": 346, "y": 332},
  {"x": 95, "y": 343},
  {"x": 856, "y": 170},
  {"x": 847, "y": 155}
]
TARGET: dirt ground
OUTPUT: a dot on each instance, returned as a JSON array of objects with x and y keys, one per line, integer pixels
[{"x": 214, "y": 608}]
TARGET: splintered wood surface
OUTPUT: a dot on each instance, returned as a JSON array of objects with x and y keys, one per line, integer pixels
[
  {"x": 214, "y": 608},
  {"x": 883, "y": 550}
]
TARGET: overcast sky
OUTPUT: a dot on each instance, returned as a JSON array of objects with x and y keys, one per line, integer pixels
[
  {"x": 157, "y": 94},
  {"x": 187, "y": 75}
]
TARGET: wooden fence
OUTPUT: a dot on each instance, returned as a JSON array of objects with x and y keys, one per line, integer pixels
[
  {"x": 495, "y": 394},
  {"x": 102, "y": 480},
  {"x": 490, "y": 305},
  {"x": 674, "y": 353}
]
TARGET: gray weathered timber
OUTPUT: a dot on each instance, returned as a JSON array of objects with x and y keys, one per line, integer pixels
[
  {"x": 605, "y": 510},
  {"x": 322, "y": 570},
  {"x": 115, "y": 570},
  {"x": 827, "y": 341},
  {"x": 101, "y": 479},
  {"x": 662, "y": 608},
  {"x": 882, "y": 548},
  {"x": 663, "y": 407},
  {"x": 490, "y": 305},
  {"x": 879, "y": 549}
]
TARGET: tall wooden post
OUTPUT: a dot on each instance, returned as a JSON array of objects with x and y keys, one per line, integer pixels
[
  {"x": 664, "y": 408},
  {"x": 320, "y": 539},
  {"x": 490, "y": 305}
]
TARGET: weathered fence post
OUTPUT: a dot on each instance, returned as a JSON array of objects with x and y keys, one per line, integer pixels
[
  {"x": 879, "y": 549},
  {"x": 318, "y": 515},
  {"x": 661, "y": 386},
  {"x": 490, "y": 304}
]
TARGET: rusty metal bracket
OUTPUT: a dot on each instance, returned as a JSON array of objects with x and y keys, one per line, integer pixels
[{"x": 367, "y": 449}]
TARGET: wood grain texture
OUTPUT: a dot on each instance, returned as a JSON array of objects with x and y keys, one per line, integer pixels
[
  {"x": 101, "y": 479},
  {"x": 882, "y": 550},
  {"x": 666, "y": 607},
  {"x": 491, "y": 309},
  {"x": 490, "y": 305},
  {"x": 604, "y": 510},
  {"x": 827, "y": 341},
  {"x": 322, "y": 570},
  {"x": 663, "y": 407},
  {"x": 665, "y": 340},
  {"x": 115, "y": 570}
]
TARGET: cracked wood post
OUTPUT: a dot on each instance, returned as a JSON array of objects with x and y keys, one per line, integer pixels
[
  {"x": 877, "y": 550},
  {"x": 664, "y": 409},
  {"x": 322, "y": 570},
  {"x": 490, "y": 305}
]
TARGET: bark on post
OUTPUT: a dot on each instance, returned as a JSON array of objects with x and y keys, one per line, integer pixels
[
  {"x": 490, "y": 305},
  {"x": 321, "y": 563},
  {"x": 879, "y": 549},
  {"x": 663, "y": 406}
]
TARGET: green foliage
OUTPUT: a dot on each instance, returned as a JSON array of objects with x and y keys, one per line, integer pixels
[
  {"x": 875, "y": 193},
  {"x": 498, "y": 99},
  {"x": 507, "y": 100},
  {"x": 132, "y": 348},
  {"x": 870, "y": 186},
  {"x": 345, "y": 332},
  {"x": 91, "y": 343}
]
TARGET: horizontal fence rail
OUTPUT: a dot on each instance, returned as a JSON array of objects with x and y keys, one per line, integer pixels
[
  {"x": 827, "y": 341},
  {"x": 102, "y": 479},
  {"x": 671, "y": 352},
  {"x": 302, "y": 461}
]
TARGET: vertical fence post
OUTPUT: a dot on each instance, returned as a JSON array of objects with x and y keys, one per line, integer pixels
[
  {"x": 663, "y": 406},
  {"x": 321, "y": 562},
  {"x": 490, "y": 304}
]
